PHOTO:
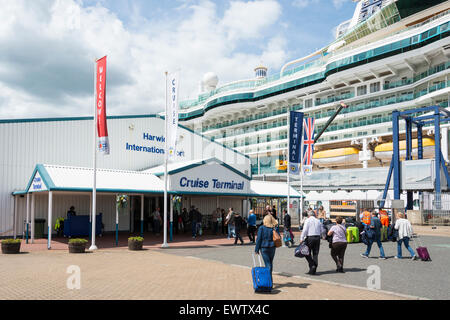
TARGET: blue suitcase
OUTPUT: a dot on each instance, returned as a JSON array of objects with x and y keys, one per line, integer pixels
[{"x": 262, "y": 280}]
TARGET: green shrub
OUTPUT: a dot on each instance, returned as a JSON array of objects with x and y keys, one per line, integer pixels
[
  {"x": 77, "y": 241},
  {"x": 11, "y": 241},
  {"x": 140, "y": 239}
]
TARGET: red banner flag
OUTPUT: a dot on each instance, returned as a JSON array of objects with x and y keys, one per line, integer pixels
[{"x": 100, "y": 86}]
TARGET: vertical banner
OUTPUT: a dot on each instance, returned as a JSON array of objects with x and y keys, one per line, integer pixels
[
  {"x": 295, "y": 140},
  {"x": 172, "y": 113},
  {"x": 308, "y": 145},
  {"x": 100, "y": 87}
]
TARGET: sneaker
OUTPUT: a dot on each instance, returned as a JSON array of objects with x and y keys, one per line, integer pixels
[
  {"x": 397, "y": 257},
  {"x": 364, "y": 256},
  {"x": 414, "y": 257},
  {"x": 382, "y": 258}
]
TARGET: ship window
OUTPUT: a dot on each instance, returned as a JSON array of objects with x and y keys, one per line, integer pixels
[
  {"x": 444, "y": 27},
  {"x": 308, "y": 103},
  {"x": 432, "y": 32},
  {"x": 374, "y": 87},
  {"x": 361, "y": 90}
]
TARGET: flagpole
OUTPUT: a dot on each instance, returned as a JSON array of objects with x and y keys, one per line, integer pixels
[
  {"x": 301, "y": 168},
  {"x": 288, "y": 169},
  {"x": 94, "y": 186},
  {"x": 165, "y": 245}
]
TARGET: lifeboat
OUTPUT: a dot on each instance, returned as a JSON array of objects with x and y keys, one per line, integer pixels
[
  {"x": 336, "y": 157},
  {"x": 384, "y": 150},
  {"x": 281, "y": 165}
]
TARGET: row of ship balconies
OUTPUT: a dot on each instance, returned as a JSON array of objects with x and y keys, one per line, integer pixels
[
  {"x": 346, "y": 124},
  {"x": 353, "y": 107},
  {"x": 388, "y": 85}
]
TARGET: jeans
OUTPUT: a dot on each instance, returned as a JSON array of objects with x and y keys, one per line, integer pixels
[
  {"x": 268, "y": 254},
  {"x": 405, "y": 240},
  {"x": 194, "y": 228},
  {"x": 231, "y": 231},
  {"x": 380, "y": 246},
  {"x": 237, "y": 236}
]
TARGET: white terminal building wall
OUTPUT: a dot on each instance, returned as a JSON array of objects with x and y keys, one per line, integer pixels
[{"x": 137, "y": 143}]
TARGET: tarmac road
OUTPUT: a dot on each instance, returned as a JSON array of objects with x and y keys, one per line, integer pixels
[{"x": 429, "y": 280}]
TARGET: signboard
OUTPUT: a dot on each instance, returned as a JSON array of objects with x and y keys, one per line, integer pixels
[
  {"x": 210, "y": 177},
  {"x": 295, "y": 141},
  {"x": 37, "y": 184}
]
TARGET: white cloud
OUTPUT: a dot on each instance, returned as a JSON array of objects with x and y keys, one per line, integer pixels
[
  {"x": 48, "y": 51},
  {"x": 304, "y": 3},
  {"x": 338, "y": 3}
]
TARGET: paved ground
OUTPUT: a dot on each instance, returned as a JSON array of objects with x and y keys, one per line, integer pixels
[
  {"x": 417, "y": 278},
  {"x": 212, "y": 268},
  {"x": 151, "y": 274}
]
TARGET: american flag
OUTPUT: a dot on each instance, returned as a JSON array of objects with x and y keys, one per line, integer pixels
[{"x": 308, "y": 141}]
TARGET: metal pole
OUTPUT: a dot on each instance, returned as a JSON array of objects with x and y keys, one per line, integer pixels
[
  {"x": 94, "y": 150},
  {"x": 117, "y": 221},
  {"x": 28, "y": 217},
  {"x": 396, "y": 155},
  {"x": 437, "y": 158},
  {"x": 15, "y": 218},
  {"x": 171, "y": 218},
  {"x": 301, "y": 174},
  {"x": 32, "y": 216},
  {"x": 142, "y": 215},
  {"x": 288, "y": 171},
  {"x": 50, "y": 216},
  {"x": 165, "y": 245}
]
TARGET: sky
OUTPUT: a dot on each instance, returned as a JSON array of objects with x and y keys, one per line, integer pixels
[{"x": 48, "y": 48}]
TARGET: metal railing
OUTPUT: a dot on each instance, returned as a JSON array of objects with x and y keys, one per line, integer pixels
[{"x": 435, "y": 208}]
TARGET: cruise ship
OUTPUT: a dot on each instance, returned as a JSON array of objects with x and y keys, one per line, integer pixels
[{"x": 391, "y": 55}]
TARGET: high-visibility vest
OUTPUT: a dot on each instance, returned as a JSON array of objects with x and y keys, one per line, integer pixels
[
  {"x": 384, "y": 218},
  {"x": 366, "y": 217}
]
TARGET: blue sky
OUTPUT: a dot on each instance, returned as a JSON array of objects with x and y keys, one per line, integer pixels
[{"x": 48, "y": 48}]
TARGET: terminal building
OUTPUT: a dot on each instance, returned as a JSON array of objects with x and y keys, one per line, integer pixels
[{"x": 46, "y": 167}]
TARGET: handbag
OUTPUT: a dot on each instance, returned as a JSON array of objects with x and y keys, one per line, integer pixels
[
  {"x": 301, "y": 251},
  {"x": 277, "y": 239}
]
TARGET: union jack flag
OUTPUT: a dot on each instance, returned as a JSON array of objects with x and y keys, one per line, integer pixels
[{"x": 308, "y": 141}]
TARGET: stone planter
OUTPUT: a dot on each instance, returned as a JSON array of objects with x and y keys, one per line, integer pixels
[
  {"x": 77, "y": 247},
  {"x": 10, "y": 248},
  {"x": 135, "y": 245}
]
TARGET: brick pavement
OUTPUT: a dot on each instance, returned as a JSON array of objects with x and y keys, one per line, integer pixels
[{"x": 151, "y": 274}]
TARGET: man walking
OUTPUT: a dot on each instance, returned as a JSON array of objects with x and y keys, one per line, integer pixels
[
  {"x": 312, "y": 230},
  {"x": 237, "y": 220},
  {"x": 287, "y": 225},
  {"x": 374, "y": 235},
  {"x": 251, "y": 229}
]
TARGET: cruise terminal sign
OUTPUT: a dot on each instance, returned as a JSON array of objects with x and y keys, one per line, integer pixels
[{"x": 210, "y": 177}]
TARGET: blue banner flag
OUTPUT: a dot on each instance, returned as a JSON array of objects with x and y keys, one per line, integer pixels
[{"x": 295, "y": 141}]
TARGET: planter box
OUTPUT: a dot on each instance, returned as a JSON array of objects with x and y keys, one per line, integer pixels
[
  {"x": 77, "y": 247},
  {"x": 10, "y": 248},
  {"x": 135, "y": 245}
]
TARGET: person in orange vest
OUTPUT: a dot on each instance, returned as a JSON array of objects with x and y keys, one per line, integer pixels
[
  {"x": 366, "y": 217},
  {"x": 384, "y": 217}
]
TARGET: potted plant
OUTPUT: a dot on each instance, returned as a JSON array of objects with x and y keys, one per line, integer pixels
[
  {"x": 10, "y": 246},
  {"x": 135, "y": 243},
  {"x": 77, "y": 245}
]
